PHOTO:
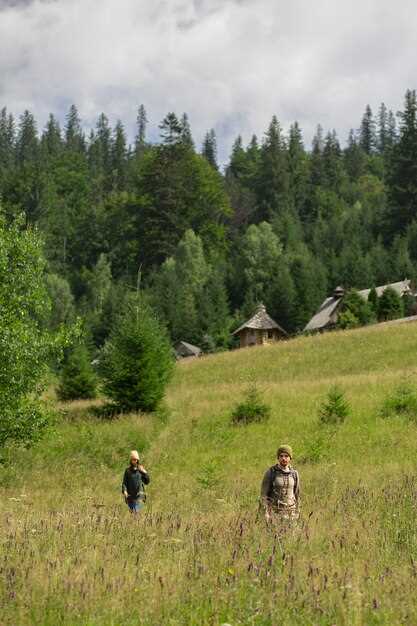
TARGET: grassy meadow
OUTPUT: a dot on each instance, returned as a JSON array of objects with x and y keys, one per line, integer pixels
[{"x": 71, "y": 554}]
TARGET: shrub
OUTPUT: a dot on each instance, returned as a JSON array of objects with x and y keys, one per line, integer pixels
[
  {"x": 137, "y": 359},
  {"x": 335, "y": 408},
  {"x": 402, "y": 401},
  {"x": 252, "y": 409},
  {"x": 78, "y": 379},
  {"x": 354, "y": 307},
  {"x": 390, "y": 305},
  {"x": 347, "y": 320}
]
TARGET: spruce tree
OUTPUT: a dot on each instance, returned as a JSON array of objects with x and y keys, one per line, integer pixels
[
  {"x": 186, "y": 136},
  {"x": 273, "y": 179},
  {"x": 141, "y": 122},
  {"x": 367, "y": 132},
  {"x": 78, "y": 379},
  {"x": 209, "y": 150},
  {"x": 402, "y": 174},
  {"x": 390, "y": 306},
  {"x": 374, "y": 301},
  {"x": 137, "y": 360},
  {"x": 74, "y": 135}
]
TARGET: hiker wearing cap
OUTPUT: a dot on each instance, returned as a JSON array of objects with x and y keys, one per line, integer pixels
[
  {"x": 134, "y": 479},
  {"x": 280, "y": 488}
]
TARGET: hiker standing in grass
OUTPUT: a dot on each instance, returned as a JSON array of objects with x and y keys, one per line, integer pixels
[
  {"x": 280, "y": 488},
  {"x": 134, "y": 479}
]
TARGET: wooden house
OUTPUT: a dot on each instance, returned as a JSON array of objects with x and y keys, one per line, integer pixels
[
  {"x": 327, "y": 316},
  {"x": 260, "y": 330}
]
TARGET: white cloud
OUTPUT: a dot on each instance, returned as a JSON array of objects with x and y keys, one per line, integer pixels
[{"x": 230, "y": 64}]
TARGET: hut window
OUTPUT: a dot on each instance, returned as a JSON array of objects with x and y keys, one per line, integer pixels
[{"x": 270, "y": 334}]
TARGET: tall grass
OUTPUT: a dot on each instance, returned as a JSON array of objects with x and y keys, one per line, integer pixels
[{"x": 201, "y": 554}]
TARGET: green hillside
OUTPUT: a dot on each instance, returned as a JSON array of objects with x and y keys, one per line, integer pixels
[{"x": 72, "y": 555}]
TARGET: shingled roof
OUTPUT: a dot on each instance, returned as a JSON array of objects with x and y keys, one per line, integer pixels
[
  {"x": 183, "y": 348},
  {"x": 329, "y": 307},
  {"x": 261, "y": 321}
]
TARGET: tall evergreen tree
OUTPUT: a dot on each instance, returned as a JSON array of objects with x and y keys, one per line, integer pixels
[
  {"x": 273, "y": 180},
  {"x": 27, "y": 144},
  {"x": 298, "y": 169},
  {"x": 7, "y": 139},
  {"x": 367, "y": 132},
  {"x": 119, "y": 157},
  {"x": 74, "y": 135},
  {"x": 141, "y": 122},
  {"x": 402, "y": 175},
  {"x": 171, "y": 130},
  {"x": 186, "y": 136},
  {"x": 209, "y": 149},
  {"x": 51, "y": 138}
]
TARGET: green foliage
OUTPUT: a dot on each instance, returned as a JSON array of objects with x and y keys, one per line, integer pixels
[
  {"x": 334, "y": 408},
  {"x": 401, "y": 401},
  {"x": 251, "y": 409},
  {"x": 136, "y": 362},
  {"x": 374, "y": 301},
  {"x": 62, "y": 301},
  {"x": 26, "y": 348},
  {"x": 355, "y": 311},
  {"x": 78, "y": 379},
  {"x": 347, "y": 320},
  {"x": 390, "y": 306}
]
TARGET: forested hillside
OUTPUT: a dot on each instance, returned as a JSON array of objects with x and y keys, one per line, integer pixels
[{"x": 280, "y": 223}]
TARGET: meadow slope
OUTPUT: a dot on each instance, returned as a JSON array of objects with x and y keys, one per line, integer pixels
[{"x": 201, "y": 555}]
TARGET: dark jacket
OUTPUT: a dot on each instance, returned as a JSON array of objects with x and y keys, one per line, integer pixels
[{"x": 133, "y": 482}]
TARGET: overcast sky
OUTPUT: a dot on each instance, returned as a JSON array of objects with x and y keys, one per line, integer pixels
[{"x": 230, "y": 64}]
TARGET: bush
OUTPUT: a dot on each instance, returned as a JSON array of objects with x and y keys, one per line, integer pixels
[
  {"x": 402, "y": 401},
  {"x": 335, "y": 408},
  {"x": 78, "y": 379},
  {"x": 355, "y": 311},
  {"x": 137, "y": 360},
  {"x": 347, "y": 320},
  {"x": 252, "y": 409},
  {"x": 390, "y": 305}
]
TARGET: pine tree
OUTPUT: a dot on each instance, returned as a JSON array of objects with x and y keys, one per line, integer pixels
[
  {"x": 367, "y": 132},
  {"x": 27, "y": 145},
  {"x": 137, "y": 359},
  {"x": 298, "y": 169},
  {"x": 213, "y": 312},
  {"x": 141, "y": 122},
  {"x": 390, "y": 305},
  {"x": 354, "y": 158},
  {"x": 78, "y": 379},
  {"x": 171, "y": 130},
  {"x": 74, "y": 135},
  {"x": 186, "y": 136},
  {"x": 119, "y": 157},
  {"x": 402, "y": 174},
  {"x": 51, "y": 142},
  {"x": 7, "y": 140},
  {"x": 382, "y": 133},
  {"x": 373, "y": 301},
  {"x": 209, "y": 149},
  {"x": 333, "y": 172},
  {"x": 272, "y": 186}
]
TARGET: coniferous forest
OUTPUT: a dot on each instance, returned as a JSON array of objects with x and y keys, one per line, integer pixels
[{"x": 282, "y": 224}]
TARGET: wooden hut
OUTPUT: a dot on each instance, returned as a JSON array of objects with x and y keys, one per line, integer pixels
[{"x": 260, "y": 330}]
